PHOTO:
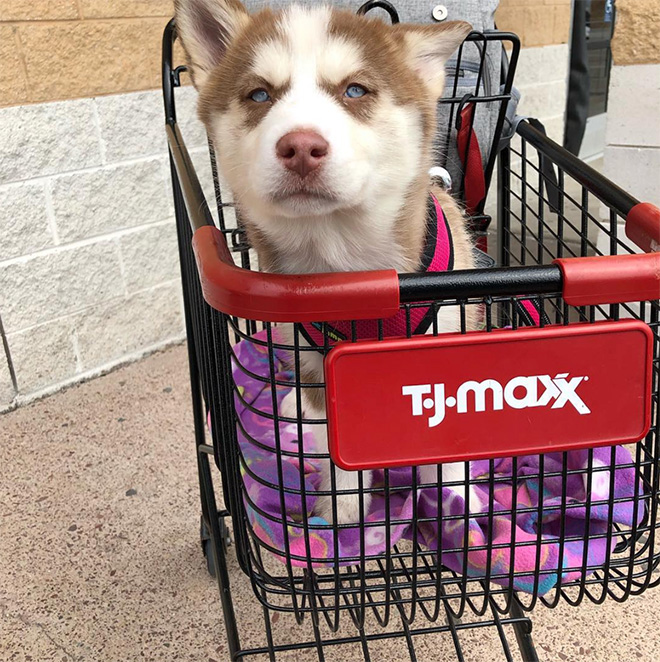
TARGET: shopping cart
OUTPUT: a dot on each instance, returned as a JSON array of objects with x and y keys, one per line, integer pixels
[{"x": 553, "y": 406}]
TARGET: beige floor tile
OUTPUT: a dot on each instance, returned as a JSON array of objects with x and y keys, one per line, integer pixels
[{"x": 90, "y": 571}]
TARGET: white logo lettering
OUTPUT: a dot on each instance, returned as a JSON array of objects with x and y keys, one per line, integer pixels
[
  {"x": 417, "y": 392},
  {"x": 479, "y": 389},
  {"x": 518, "y": 393}
]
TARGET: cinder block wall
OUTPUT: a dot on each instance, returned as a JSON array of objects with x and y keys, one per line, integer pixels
[
  {"x": 632, "y": 153},
  {"x": 88, "y": 264},
  {"x": 63, "y": 49},
  {"x": 88, "y": 260},
  {"x": 542, "y": 76}
]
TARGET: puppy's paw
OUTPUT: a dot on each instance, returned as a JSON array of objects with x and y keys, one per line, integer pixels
[
  {"x": 289, "y": 406},
  {"x": 348, "y": 508},
  {"x": 476, "y": 505},
  {"x": 453, "y": 475}
]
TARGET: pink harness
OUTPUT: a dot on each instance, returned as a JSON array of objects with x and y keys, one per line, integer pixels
[{"x": 438, "y": 256}]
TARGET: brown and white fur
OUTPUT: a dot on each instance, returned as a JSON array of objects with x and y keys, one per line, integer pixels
[{"x": 359, "y": 202}]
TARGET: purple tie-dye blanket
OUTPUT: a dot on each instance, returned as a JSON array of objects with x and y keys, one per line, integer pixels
[{"x": 263, "y": 476}]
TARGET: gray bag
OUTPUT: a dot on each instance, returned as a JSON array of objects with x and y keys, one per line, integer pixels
[{"x": 480, "y": 13}]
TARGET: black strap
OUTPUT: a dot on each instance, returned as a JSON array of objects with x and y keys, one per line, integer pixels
[
  {"x": 382, "y": 4},
  {"x": 429, "y": 252},
  {"x": 547, "y": 169},
  {"x": 525, "y": 319}
]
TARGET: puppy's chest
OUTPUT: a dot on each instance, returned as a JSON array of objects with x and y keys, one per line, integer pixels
[{"x": 338, "y": 249}]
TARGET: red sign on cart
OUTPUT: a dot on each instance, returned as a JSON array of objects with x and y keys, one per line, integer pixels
[{"x": 480, "y": 395}]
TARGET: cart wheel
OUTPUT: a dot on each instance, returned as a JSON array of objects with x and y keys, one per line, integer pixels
[{"x": 207, "y": 543}]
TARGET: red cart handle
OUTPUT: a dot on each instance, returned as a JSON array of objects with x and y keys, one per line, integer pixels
[
  {"x": 643, "y": 226},
  {"x": 590, "y": 281},
  {"x": 360, "y": 295},
  {"x": 289, "y": 298}
]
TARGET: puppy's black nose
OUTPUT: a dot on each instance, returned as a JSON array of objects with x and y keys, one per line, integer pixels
[{"x": 302, "y": 151}]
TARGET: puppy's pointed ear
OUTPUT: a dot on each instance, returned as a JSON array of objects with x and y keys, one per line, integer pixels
[
  {"x": 430, "y": 46},
  {"x": 206, "y": 27}
]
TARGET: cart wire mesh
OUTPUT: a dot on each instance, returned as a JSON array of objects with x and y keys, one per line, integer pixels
[{"x": 549, "y": 205}]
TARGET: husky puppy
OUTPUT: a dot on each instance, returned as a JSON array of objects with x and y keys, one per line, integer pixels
[{"x": 324, "y": 123}]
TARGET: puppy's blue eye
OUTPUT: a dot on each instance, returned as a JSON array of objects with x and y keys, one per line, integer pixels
[
  {"x": 260, "y": 96},
  {"x": 355, "y": 91}
]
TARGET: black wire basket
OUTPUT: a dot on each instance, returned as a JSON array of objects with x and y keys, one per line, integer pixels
[{"x": 560, "y": 516}]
